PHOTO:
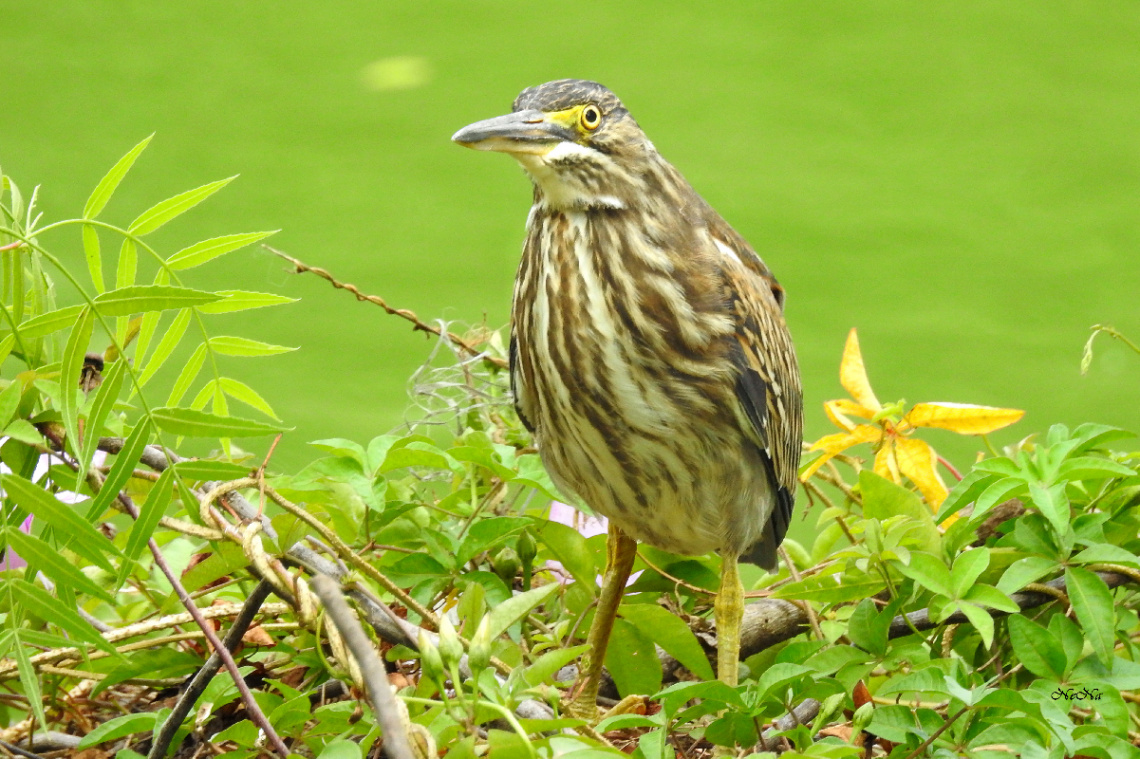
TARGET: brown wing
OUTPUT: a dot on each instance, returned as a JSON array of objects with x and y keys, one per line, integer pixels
[{"x": 768, "y": 386}]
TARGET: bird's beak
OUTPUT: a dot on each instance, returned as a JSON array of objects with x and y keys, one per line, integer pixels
[{"x": 530, "y": 131}]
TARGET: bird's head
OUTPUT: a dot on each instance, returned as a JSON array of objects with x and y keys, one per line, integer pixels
[{"x": 576, "y": 140}]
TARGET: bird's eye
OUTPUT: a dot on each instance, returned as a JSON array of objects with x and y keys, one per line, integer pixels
[{"x": 591, "y": 117}]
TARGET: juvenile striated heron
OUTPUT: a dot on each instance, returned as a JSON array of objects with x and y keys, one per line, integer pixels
[{"x": 649, "y": 353}]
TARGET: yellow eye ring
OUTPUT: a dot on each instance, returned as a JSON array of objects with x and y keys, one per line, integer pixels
[{"x": 590, "y": 117}]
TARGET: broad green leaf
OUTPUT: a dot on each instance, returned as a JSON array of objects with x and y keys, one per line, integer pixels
[
  {"x": 1092, "y": 467},
  {"x": 49, "y": 561},
  {"x": 1106, "y": 553},
  {"x": 883, "y": 499},
  {"x": 24, "y": 431},
  {"x": 512, "y": 610},
  {"x": 672, "y": 634},
  {"x": 9, "y": 401},
  {"x": 120, "y": 471},
  {"x": 137, "y": 298},
  {"x": 191, "y": 423},
  {"x": 94, "y": 257},
  {"x": 162, "y": 212},
  {"x": 37, "y": 600},
  {"x": 831, "y": 589},
  {"x": 240, "y": 391},
  {"x": 106, "y": 187},
  {"x": 990, "y": 597},
  {"x": 1092, "y": 603},
  {"x": 968, "y": 567},
  {"x": 550, "y": 662},
  {"x": 52, "y": 321},
  {"x": 418, "y": 454},
  {"x": 1053, "y": 505},
  {"x": 69, "y": 374},
  {"x": 112, "y": 729},
  {"x": 241, "y": 346},
  {"x": 930, "y": 572},
  {"x": 104, "y": 401},
  {"x": 166, "y": 345},
  {"x": 779, "y": 675},
  {"x": 632, "y": 660},
  {"x": 70, "y": 528},
  {"x": 149, "y": 513},
  {"x": 242, "y": 300},
  {"x": 868, "y": 627},
  {"x": 200, "y": 469},
  {"x": 570, "y": 548},
  {"x": 1036, "y": 648},
  {"x": 207, "y": 250},
  {"x": 340, "y": 749},
  {"x": 1024, "y": 571},
  {"x": 998, "y": 492},
  {"x": 982, "y": 621},
  {"x": 187, "y": 376}
]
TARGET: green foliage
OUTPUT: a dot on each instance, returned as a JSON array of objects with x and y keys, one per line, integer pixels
[{"x": 1003, "y": 620}]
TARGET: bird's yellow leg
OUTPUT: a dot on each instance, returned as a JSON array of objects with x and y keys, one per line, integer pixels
[
  {"x": 729, "y": 610},
  {"x": 621, "y": 551}
]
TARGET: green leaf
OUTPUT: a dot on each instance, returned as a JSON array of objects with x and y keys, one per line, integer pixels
[
  {"x": 240, "y": 391},
  {"x": 340, "y": 749},
  {"x": 963, "y": 493},
  {"x": 10, "y": 401},
  {"x": 52, "y": 321},
  {"x": 120, "y": 471},
  {"x": 49, "y": 561},
  {"x": 1024, "y": 571},
  {"x": 1106, "y": 553},
  {"x": 29, "y": 677},
  {"x": 672, "y": 634},
  {"x": 570, "y": 548},
  {"x": 128, "y": 266},
  {"x": 69, "y": 373},
  {"x": 515, "y": 608},
  {"x": 166, "y": 345},
  {"x": 1053, "y": 505},
  {"x": 242, "y": 300},
  {"x": 981, "y": 619},
  {"x": 149, "y": 515},
  {"x": 968, "y": 567},
  {"x": 187, "y": 376},
  {"x": 94, "y": 257},
  {"x": 137, "y": 298},
  {"x": 1092, "y": 468},
  {"x": 69, "y": 527},
  {"x": 550, "y": 662},
  {"x": 868, "y": 627},
  {"x": 112, "y": 729},
  {"x": 162, "y": 212},
  {"x": 998, "y": 492},
  {"x": 242, "y": 346},
  {"x": 104, "y": 401},
  {"x": 106, "y": 187},
  {"x": 39, "y": 602},
  {"x": 1092, "y": 603},
  {"x": 191, "y": 423},
  {"x": 930, "y": 572},
  {"x": 24, "y": 431},
  {"x": 883, "y": 499},
  {"x": 207, "y": 250},
  {"x": 779, "y": 675},
  {"x": 831, "y": 589},
  {"x": 1036, "y": 648},
  {"x": 991, "y": 597},
  {"x": 632, "y": 660},
  {"x": 200, "y": 470}
]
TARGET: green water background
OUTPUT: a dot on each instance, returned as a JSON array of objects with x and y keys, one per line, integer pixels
[{"x": 959, "y": 180}]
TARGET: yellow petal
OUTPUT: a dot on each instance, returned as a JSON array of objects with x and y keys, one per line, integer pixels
[
  {"x": 917, "y": 460},
  {"x": 853, "y": 375},
  {"x": 838, "y": 409},
  {"x": 837, "y": 443},
  {"x": 961, "y": 417},
  {"x": 886, "y": 464}
]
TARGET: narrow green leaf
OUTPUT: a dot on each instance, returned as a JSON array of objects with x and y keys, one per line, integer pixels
[
  {"x": 112, "y": 729},
  {"x": 9, "y": 401},
  {"x": 1092, "y": 468},
  {"x": 243, "y": 300},
  {"x": 201, "y": 469},
  {"x": 187, "y": 376},
  {"x": 6, "y": 345},
  {"x": 52, "y": 321},
  {"x": 207, "y": 250},
  {"x": 632, "y": 660},
  {"x": 104, "y": 401},
  {"x": 166, "y": 345},
  {"x": 962, "y": 494},
  {"x": 550, "y": 662},
  {"x": 120, "y": 471},
  {"x": 149, "y": 514},
  {"x": 515, "y": 608},
  {"x": 94, "y": 256},
  {"x": 968, "y": 567},
  {"x": 49, "y": 561},
  {"x": 1092, "y": 603},
  {"x": 672, "y": 634},
  {"x": 128, "y": 267},
  {"x": 1036, "y": 648},
  {"x": 70, "y": 528},
  {"x": 240, "y": 391},
  {"x": 241, "y": 346},
  {"x": 1024, "y": 571},
  {"x": 831, "y": 589},
  {"x": 162, "y": 212},
  {"x": 29, "y": 678},
  {"x": 137, "y": 298},
  {"x": 70, "y": 369},
  {"x": 106, "y": 187},
  {"x": 148, "y": 325},
  {"x": 39, "y": 602},
  {"x": 191, "y": 423}
]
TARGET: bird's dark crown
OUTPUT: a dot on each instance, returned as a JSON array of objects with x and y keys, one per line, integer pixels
[{"x": 567, "y": 93}]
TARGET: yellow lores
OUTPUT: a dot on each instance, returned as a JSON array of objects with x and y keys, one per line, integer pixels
[{"x": 889, "y": 429}]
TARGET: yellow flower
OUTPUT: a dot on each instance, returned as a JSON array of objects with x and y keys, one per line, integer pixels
[{"x": 888, "y": 429}]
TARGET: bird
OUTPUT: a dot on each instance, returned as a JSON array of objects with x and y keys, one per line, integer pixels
[{"x": 649, "y": 355}]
